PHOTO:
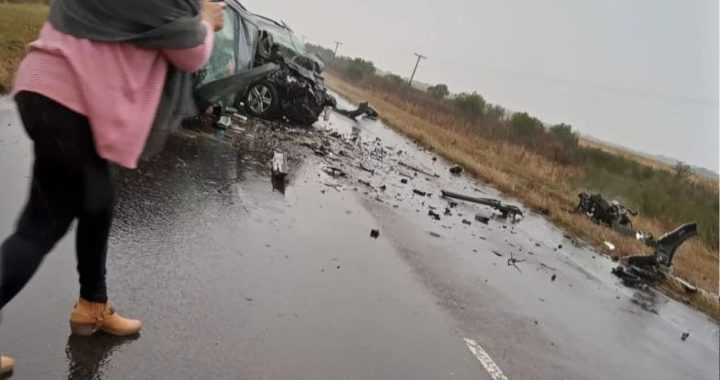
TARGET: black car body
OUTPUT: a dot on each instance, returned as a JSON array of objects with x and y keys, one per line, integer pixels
[{"x": 259, "y": 64}]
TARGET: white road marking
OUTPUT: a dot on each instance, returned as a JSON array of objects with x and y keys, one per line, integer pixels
[{"x": 485, "y": 359}]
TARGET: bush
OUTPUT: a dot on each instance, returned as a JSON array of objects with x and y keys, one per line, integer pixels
[
  {"x": 470, "y": 106},
  {"x": 438, "y": 91}
]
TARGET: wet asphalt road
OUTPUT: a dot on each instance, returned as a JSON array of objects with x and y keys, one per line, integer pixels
[{"x": 235, "y": 281}]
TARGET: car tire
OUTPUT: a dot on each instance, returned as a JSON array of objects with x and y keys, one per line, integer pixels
[{"x": 261, "y": 100}]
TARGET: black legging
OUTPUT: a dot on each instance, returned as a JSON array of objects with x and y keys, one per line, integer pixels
[{"x": 69, "y": 181}]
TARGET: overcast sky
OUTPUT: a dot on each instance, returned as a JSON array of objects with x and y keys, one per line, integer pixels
[{"x": 641, "y": 73}]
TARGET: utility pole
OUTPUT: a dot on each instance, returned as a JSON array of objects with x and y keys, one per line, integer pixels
[
  {"x": 419, "y": 57},
  {"x": 337, "y": 43},
  {"x": 304, "y": 38}
]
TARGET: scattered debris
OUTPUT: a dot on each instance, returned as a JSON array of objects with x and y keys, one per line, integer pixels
[
  {"x": 419, "y": 192},
  {"x": 512, "y": 261},
  {"x": 538, "y": 245},
  {"x": 456, "y": 170},
  {"x": 498, "y": 254},
  {"x": 334, "y": 171},
  {"x": 374, "y": 234},
  {"x": 553, "y": 278},
  {"x": 482, "y": 219},
  {"x": 684, "y": 336},
  {"x": 279, "y": 171},
  {"x": 559, "y": 246},
  {"x": 382, "y": 188},
  {"x": 365, "y": 183},
  {"x": 610, "y": 245},
  {"x": 404, "y": 181},
  {"x": 452, "y": 204},
  {"x": 465, "y": 221},
  {"x": 505, "y": 210},
  {"x": 435, "y": 235},
  {"x": 434, "y": 215}
]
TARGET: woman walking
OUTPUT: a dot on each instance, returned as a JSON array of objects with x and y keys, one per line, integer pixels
[{"x": 101, "y": 75}]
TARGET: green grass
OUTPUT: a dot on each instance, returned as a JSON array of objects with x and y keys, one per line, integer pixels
[{"x": 19, "y": 25}]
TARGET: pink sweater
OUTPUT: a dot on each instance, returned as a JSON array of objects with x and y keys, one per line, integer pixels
[{"x": 116, "y": 85}]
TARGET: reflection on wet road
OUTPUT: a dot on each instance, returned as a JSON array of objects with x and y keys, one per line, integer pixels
[{"x": 236, "y": 281}]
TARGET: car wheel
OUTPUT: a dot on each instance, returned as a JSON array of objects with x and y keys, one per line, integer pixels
[{"x": 261, "y": 100}]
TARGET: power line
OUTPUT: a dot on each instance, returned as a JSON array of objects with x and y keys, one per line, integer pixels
[{"x": 419, "y": 57}]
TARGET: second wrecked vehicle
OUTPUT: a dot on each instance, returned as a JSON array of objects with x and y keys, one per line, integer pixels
[
  {"x": 608, "y": 213},
  {"x": 260, "y": 65}
]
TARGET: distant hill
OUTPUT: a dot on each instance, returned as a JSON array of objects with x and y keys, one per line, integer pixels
[{"x": 669, "y": 161}]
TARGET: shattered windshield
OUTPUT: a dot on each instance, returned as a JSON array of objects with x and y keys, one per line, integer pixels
[
  {"x": 299, "y": 45},
  {"x": 284, "y": 38}
]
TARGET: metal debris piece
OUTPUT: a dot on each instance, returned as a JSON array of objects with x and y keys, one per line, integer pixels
[
  {"x": 279, "y": 165},
  {"x": 689, "y": 288},
  {"x": 684, "y": 336},
  {"x": 546, "y": 266},
  {"x": 465, "y": 221},
  {"x": 418, "y": 170},
  {"x": 374, "y": 234},
  {"x": 363, "y": 167},
  {"x": 506, "y": 210},
  {"x": 434, "y": 215},
  {"x": 404, "y": 181},
  {"x": 419, "y": 192},
  {"x": 498, "y": 254},
  {"x": 434, "y": 234},
  {"x": 456, "y": 170},
  {"x": 610, "y": 245},
  {"x": 224, "y": 122}
]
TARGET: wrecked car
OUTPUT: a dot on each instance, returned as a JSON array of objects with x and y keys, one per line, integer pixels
[
  {"x": 259, "y": 65},
  {"x": 612, "y": 214}
]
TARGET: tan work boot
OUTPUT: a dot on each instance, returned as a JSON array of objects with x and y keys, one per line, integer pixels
[
  {"x": 88, "y": 317},
  {"x": 6, "y": 365}
]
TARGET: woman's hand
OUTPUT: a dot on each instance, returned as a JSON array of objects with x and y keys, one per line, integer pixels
[{"x": 212, "y": 13}]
